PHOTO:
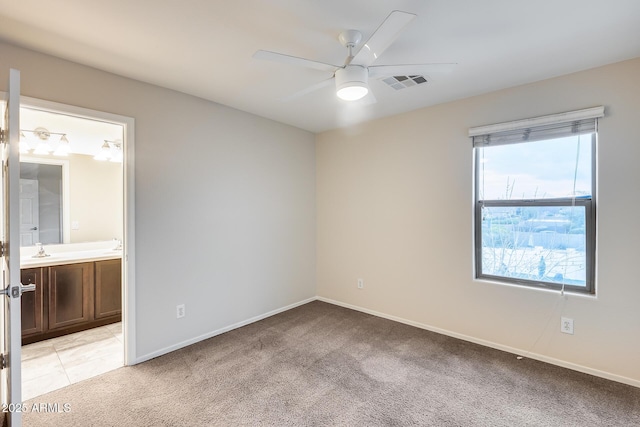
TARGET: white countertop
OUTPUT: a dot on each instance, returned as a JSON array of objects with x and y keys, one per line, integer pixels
[
  {"x": 69, "y": 254},
  {"x": 69, "y": 258}
]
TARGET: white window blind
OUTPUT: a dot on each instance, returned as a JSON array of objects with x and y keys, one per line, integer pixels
[{"x": 538, "y": 128}]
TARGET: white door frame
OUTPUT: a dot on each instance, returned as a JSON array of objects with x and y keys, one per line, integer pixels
[{"x": 128, "y": 254}]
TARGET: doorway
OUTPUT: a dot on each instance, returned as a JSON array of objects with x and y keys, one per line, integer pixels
[{"x": 79, "y": 206}]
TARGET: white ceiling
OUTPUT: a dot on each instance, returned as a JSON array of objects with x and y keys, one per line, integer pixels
[{"x": 205, "y": 48}]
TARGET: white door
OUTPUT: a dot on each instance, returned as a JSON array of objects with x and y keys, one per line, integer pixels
[
  {"x": 11, "y": 289},
  {"x": 29, "y": 212}
]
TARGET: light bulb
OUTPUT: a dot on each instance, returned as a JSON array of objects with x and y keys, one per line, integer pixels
[
  {"x": 352, "y": 93},
  {"x": 104, "y": 153},
  {"x": 117, "y": 153},
  {"x": 24, "y": 145},
  {"x": 63, "y": 147}
]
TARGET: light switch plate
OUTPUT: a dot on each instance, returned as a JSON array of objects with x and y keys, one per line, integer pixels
[{"x": 180, "y": 311}]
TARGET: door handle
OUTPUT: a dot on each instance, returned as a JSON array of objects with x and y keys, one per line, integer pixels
[
  {"x": 17, "y": 291},
  {"x": 33, "y": 228}
]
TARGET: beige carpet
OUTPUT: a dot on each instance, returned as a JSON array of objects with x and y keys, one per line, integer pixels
[{"x": 320, "y": 365}]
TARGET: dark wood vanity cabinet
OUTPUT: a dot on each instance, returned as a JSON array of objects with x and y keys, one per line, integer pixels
[{"x": 70, "y": 298}]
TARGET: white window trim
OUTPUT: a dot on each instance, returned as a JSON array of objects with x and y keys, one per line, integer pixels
[{"x": 552, "y": 119}]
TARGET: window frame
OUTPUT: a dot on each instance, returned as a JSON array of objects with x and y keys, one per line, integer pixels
[{"x": 590, "y": 227}]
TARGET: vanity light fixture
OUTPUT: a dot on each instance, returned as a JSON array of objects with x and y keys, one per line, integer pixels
[
  {"x": 110, "y": 150},
  {"x": 43, "y": 145}
]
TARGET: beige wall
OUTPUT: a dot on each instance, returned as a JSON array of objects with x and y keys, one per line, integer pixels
[
  {"x": 225, "y": 201},
  {"x": 95, "y": 199},
  {"x": 394, "y": 207}
]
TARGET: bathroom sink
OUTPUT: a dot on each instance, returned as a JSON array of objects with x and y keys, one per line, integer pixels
[{"x": 70, "y": 257}]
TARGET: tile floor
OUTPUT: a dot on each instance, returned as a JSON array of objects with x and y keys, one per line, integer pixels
[{"x": 58, "y": 362}]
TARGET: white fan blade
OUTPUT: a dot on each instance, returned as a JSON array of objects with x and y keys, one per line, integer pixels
[
  {"x": 294, "y": 60},
  {"x": 309, "y": 89},
  {"x": 410, "y": 69},
  {"x": 382, "y": 38}
]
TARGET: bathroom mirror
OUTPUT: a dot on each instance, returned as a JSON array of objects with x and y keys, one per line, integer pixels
[
  {"x": 71, "y": 200},
  {"x": 41, "y": 203}
]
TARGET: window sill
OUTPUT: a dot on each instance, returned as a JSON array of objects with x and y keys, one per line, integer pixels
[{"x": 537, "y": 289}]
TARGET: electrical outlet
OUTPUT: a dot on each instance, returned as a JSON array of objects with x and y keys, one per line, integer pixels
[
  {"x": 566, "y": 325},
  {"x": 360, "y": 284},
  {"x": 180, "y": 311}
]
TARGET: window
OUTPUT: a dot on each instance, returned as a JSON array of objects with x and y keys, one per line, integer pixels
[{"x": 535, "y": 201}]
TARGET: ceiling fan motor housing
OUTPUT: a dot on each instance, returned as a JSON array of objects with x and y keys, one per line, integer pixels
[{"x": 351, "y": 82}]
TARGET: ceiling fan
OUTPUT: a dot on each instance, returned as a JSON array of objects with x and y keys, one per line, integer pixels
[{"x": 351, "y": 79}]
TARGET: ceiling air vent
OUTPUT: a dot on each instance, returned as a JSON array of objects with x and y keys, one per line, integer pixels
[{"x": 401, "y": 82}]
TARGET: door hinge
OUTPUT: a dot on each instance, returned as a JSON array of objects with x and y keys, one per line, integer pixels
[
  {"x": 2, "y": 135},
  {"x": 3, "y": 361}
]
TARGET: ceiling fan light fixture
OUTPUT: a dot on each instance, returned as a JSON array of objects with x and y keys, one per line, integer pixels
[{"x": 351, "y": 83}]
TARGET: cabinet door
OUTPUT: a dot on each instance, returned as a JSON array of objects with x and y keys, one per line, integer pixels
[
  {"x": 33, "y": 316},
  {"x": 70, "y": 297},
  {"x": 108, "y": 288}
]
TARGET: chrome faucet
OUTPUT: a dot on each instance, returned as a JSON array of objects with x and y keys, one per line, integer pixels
[{"x": 40, "y": 253}]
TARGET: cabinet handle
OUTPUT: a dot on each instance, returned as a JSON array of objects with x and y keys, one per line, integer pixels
[
  {"x": 33, "y": 228},
  {"x": 27, "y": 288}
]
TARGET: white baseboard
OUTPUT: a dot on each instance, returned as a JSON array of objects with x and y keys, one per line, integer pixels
[
  {"x": 517, "y": 351},
  {"x": 524, "y": 353},
  {"x": 211, "y": 334}
]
